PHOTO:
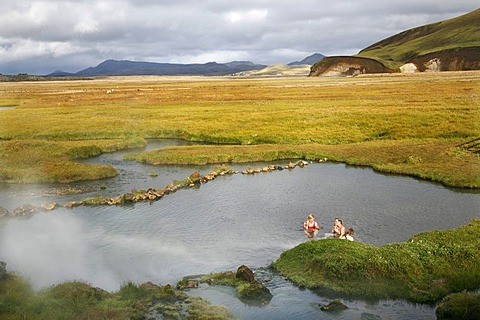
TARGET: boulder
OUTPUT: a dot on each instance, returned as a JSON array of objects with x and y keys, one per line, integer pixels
[
  {"x": 187, "y": 284},
  {"x": 3, "y": 212},
  {"x": 255, "y": 293},
  {"x": 408, "y": 68},
  {"x": 50, "y": 206},
  {"x": 335, "y": 305},
  {"x": 115, "y": 201},
  {"x": 245, "y": 273},
  {"x": 26, "y": 209},
  {"x": 195, "y": 177},
  {"x": 72, "y": 204},
  {"x": 128, "y": 197}
]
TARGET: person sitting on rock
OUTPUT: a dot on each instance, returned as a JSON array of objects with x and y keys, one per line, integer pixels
[{"x": 310, "y": 226}]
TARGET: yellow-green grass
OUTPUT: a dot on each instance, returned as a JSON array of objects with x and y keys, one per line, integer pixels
[
  {"x": 425, "y": 268},
  {"x": 443, "y": 162},
  {"x": 358, "y": 120},
  {"x": 33, "y": 160}
]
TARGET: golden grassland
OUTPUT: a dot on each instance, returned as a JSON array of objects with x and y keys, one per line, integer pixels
[{"x": 407, "y": 124}]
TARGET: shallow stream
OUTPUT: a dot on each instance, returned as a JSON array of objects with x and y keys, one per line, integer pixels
[{"x": 234, "y": 220}]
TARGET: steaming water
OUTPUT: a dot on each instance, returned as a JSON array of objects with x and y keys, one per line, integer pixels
[{"x": 234, "y": 220}]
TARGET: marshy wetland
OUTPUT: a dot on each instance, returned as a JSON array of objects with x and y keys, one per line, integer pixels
[{"x": 71, "y": 134}]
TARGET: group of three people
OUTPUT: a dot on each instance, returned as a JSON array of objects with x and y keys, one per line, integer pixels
[{"x": 311, "y": 229}]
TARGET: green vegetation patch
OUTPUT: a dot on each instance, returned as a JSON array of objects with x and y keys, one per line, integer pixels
[
  {"x": 32, "y": 161},
  {"x": 79, "y": 300},
  {"x": 250, "y": 292},
  {"x": 463, "y": 305},
  {"x": 446, "y": 162},
  {"x": 208, "y": 154},
  {"x": 425, "y": 268}
]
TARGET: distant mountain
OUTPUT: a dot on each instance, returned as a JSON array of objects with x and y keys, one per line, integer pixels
[
  {"x": 129, "y": 68},
  {"x": 310, "y": 60},
  {"x": 448, "y": 45},
  {"x": 60, "y": 73},
  {"x": 277, "y": 70}
]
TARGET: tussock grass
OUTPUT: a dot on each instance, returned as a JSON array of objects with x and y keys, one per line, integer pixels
[
  {"x": 349, "y": 113},
  {"x": 425, "y": 268},
  {"x": 30, "y": 161},
  {"x": 80, "y": 300}
]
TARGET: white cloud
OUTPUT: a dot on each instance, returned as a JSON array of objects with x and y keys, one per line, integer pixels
[
  {"x": 246, "y": 16},
  {"x": 38, "y": 35}
]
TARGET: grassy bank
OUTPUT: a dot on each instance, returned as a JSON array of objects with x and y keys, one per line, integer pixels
[
  {"x": 448, "y": 162},
  {"x": 425, "y": 268},
  {"x": 405, "y": 124},
  {"x": 38, "y": 160},
  {"x": 79, "y": 300}
]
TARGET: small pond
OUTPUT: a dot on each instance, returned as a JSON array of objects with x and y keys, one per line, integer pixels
[{"x": 234, "y": 220}]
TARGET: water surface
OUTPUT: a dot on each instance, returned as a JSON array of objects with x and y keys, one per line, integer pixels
[{"x": 234, "y": 220}]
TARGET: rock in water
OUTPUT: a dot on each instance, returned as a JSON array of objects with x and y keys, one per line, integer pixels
[
  {"x": 245, "y": 273},
  {"x": 335, "y": 305}
]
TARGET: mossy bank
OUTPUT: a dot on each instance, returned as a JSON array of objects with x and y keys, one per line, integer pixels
[
  {"x": 425, "y": 268},
  {"x": 80, "y": 300}
]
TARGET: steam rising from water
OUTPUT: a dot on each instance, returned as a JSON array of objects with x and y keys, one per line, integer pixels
[
  {"x": 232, "y": 221},
  {"x": 47, "y": 249}
]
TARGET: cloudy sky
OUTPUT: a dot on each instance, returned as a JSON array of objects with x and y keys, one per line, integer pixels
[{"x": 39, "y": 37}]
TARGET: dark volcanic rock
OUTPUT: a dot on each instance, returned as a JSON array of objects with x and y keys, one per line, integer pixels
[{"x": 245, "y": 273}]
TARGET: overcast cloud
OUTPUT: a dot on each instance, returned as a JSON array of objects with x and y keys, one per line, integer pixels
[{"x": 39, "y": 37}]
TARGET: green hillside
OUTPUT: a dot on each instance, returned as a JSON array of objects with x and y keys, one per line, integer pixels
[{"x": 459, "y": 32}]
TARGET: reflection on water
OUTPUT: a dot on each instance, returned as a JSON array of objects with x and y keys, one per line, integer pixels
[
  {"x": 290, "y": 302},
  {"x": 234, "y": 220}
]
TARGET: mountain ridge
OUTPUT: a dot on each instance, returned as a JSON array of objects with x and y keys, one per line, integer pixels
[
  {"x": 112, "y": 67},
  {"x": 448, "y": 45}
]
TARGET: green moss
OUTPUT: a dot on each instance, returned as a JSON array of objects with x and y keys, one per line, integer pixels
[
  {"x": 93, "y": 201},
  {"x": 458, "y": 306},
  {"x": 425, "y": 268},
  {"x": 200, "y": 309},
  {"x": 249, "y": 292},
  {"x": 79, "y": 300}
]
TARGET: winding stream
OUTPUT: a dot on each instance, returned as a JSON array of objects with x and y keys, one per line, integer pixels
[{"x": 234, "y": 220}]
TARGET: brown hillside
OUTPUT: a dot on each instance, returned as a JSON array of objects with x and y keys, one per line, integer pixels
[
  {"x": 346, "y": 66},
  {"x": 451, "y": 59}
]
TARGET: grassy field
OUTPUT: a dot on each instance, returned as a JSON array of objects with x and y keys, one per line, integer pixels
[{"x": 421, "y": 125}]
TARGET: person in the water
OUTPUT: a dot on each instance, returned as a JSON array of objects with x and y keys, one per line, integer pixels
[
  {"x": 311, "y": 226},
  {"x": 340, "y": 229},
  {"x": 349, "y": 234}
]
